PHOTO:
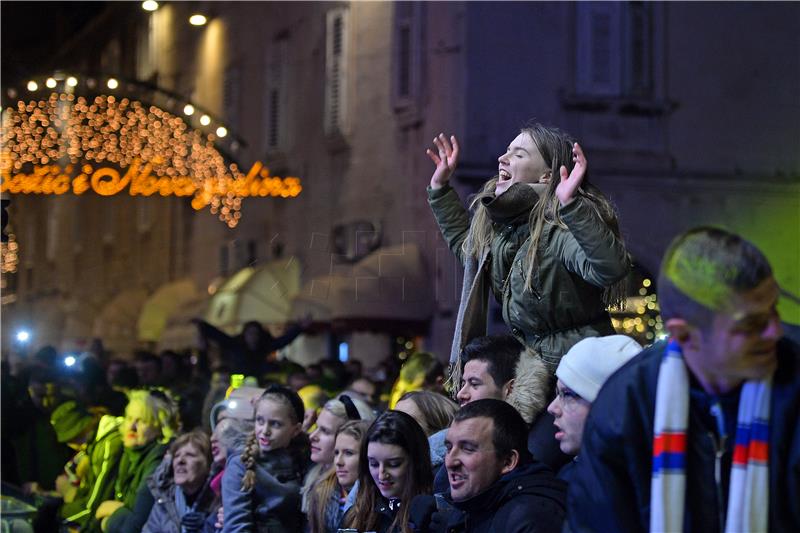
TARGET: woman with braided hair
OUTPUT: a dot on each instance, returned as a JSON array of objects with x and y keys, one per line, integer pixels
[
  {"x": 261, "y": 487},
  {"x": 542, "y": 239}
]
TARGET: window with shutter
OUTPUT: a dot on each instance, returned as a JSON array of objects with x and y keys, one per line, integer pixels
[
  {"x": 336, "y": 71},
  {"x": 407, "y": 61},
  {"x": 276, "y": 87},
  {"x": 614, "y": 49}
]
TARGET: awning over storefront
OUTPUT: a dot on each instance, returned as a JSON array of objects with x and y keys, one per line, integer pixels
[
  {"x": 389, "y": 290},
  {"x": 116, "y": 323},
  {"x": 262, "y": 293},
  {"x": 179, "y": 332},
  {"x": 161, "y": 305}
]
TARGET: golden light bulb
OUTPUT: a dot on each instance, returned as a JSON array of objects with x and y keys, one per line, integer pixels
[{"x": 197, "y": 20}]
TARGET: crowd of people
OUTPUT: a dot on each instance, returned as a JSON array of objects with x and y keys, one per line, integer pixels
[{"x": 559, "y": 425}]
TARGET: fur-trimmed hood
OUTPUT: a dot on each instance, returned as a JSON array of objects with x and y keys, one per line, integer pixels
[{"x": 531, "y": 390}]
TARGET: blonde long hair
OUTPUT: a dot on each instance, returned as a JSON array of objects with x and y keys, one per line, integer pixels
[
  {"x": 320, "y": 494},
  {"x": 555, "y": 147}
]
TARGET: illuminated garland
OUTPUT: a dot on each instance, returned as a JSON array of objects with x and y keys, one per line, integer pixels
[
  {"x": 647, "y": 321},
  {"x": 10, "y": 255},
  {"x": 162, "y": 154}
]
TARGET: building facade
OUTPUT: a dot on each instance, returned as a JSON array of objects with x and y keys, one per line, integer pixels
[{"x": 685, "y": 118}]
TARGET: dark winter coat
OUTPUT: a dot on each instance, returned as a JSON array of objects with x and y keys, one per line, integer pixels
[
  {"x": 238, "y": 356},
  {"x": 565, "y": 303},
  {"x": 529, "y": 499},
  {"x": 610, "y": 484},
  {"x": 273, "y": 504}
]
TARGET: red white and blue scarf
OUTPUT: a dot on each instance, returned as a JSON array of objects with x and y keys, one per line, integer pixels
[{"x": 749, "y": 483}]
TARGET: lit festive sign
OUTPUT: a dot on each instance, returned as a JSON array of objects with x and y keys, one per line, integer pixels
[
  {"x": 138, "y": 180},
  {"x": 68, "y": 144}
]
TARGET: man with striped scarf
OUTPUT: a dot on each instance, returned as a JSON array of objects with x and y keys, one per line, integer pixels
[{"x": 700, "y": 432}]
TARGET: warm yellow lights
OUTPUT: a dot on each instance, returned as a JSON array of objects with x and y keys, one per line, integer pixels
[
  {"x": 205, "y": 120},
  {"x": 70, "y": 144},
  {"x": 149, "y": 5},
  {"x": 112, "y": 83},
  {"x": 10, "y": 255},
  {"x": 72, "y": 81},
  {"x": 138, "y": 179},
  {"x": 51, "y": 83},
  {"x": 188, "y": 110},
  {"x": 197, "y": 20},
  {"x": 32, "y": 85}
]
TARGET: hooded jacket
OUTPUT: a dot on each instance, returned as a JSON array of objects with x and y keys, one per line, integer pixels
[
  {"x": 526, "y": 500},
  {"x": 97, "y": 486},
  {"x": 565, "y": 302}
]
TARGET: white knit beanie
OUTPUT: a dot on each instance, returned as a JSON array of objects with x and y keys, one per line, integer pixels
[{"x": 588, "y": 364}]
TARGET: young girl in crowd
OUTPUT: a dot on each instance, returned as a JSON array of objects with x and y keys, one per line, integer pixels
[
  {"x": 394, "y": 466},
  {"x": 331, "y": 417},
  {"x": 326, "y": 502},
  {"x": 543, "y": 239},
  {"x": 261, "y": 487}
]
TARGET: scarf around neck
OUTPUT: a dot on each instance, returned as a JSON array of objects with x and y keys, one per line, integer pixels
[
  {"x": 518, "y": 200},
  {"x": 748, "y": 491}
]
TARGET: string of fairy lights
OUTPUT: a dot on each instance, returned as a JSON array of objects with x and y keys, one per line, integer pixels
[
  {"x": 640, "y": 318},
  {"x": 118, "y": 131}
]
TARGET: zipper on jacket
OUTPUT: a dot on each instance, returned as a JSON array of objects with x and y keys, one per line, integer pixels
[{"x": 719, "y": 451}]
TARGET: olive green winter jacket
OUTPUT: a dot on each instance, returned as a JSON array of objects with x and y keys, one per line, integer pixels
[{"x": 565, "y": 302}]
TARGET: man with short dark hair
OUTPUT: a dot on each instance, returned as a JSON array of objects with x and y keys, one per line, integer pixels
[
  {"x": 699, "y": 433},
  {"x": 490, "y": 365},
  {"x": 495, "y": 484},
  {"x": 502, "y": 368}
]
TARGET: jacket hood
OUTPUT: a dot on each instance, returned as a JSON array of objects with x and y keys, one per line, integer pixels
[
  {"x": 162, "y": 479},
  {"x": 531, "y": 386},
  {"x": 108, "y": 424}
]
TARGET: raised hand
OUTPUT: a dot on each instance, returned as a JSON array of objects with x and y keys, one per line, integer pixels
[
  {"x": 565, "y": 191},
  {"x": 445, "y": 158}
]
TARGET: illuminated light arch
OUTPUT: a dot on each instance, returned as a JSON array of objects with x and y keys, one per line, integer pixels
[{"x": 54, "y": 145}]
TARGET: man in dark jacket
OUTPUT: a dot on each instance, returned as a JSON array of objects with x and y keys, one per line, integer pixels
[
  {"x": 247, "y": 352},
  {"x": 705, "y": 471},
  {"x": 495, "y": 484}
]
